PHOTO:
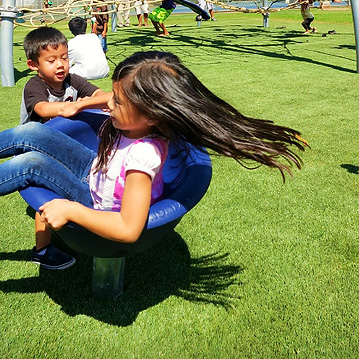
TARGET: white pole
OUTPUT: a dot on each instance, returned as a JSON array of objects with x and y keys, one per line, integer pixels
[
  {"x": 8, "y": 13},
  {"x": 355, "y": 12},
  {"x": 114, "y": 19},
  {"x": 266, "y": 14}
]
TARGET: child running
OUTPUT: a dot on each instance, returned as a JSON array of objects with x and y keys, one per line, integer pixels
[
  {"x": 308, "y": 17},
  {"x": 160, "y": 14},
  {"x": 110, "y": 193}
]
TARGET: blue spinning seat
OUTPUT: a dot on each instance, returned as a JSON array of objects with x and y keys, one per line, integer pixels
[{"x": 186, "y": 175}]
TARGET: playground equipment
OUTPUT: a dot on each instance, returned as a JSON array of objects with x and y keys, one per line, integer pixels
[
  {"x": 355, "y": 13},
  {"x": 265, "y": 14},
  {"x": 194, "y": 7},
  {"x": 85, "y": 8},
  {"x": 8, "y": 13},
  {"x": 35, "y": 18},
  {"x": 186, "y": 177}
]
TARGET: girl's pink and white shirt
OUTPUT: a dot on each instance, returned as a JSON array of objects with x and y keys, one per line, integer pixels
[{"x": 147, "y": 155}]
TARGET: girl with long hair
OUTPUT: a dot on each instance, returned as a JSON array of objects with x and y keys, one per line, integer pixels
[{"x": 156, "y": 100}]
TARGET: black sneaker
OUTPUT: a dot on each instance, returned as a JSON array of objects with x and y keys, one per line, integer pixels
[{"x": 52, "y": 258}]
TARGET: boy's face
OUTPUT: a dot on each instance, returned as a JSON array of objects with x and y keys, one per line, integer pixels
[{"x": 52, "y": 65}]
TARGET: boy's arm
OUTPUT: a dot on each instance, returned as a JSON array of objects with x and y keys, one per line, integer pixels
[
  {"x": 104, "y": 32},
  {"x": 99, "y": 99},
  {"x": 94, "y": 27},
  {"x": 48, "y": 110}
]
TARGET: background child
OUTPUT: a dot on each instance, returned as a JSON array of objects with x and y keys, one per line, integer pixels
[
  {"x": 99, "y": 27},
  {"x": 125, "y": 177},
  {"x": 85, "y": 55},
  {"x": 123, "y": 13},
  {"x": 142, "y": 7},
  {"x": 46, "y": 4},
  {"x": 206, "y": 6},
  {"x": 160, "y": 14},
  {"x": 48, "y": 94},
  {"x": 308, "y": 17}
]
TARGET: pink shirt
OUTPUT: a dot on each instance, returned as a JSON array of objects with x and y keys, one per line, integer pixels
[{"x": 147, "y": 155}]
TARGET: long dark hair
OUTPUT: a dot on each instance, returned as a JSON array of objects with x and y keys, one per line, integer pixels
[{"x": 183, "y": 109}]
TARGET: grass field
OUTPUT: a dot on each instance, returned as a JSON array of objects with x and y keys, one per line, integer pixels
[{"x": 259, "y": 269}]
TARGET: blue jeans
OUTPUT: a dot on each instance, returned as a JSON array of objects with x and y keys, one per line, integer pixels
[
  {"x": 103, "y": 42},
  {"x": 45, "y": 158}
]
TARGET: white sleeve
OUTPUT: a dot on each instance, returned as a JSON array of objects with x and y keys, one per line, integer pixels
[
  {"x": 144, "y": 157},
  {"x": 70, "y": 49}
]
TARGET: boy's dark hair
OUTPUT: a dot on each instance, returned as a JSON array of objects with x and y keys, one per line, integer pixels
[
  {"x": 77, "y": 25},
  {"x": 40, "y": 39},
  {"x": 183, "y": 109}
]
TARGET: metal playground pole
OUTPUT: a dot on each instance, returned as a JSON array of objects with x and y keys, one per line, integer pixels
[
  {"x": 355, "y": 12},
  {"x": 266, "y": 14},
  {"x": 8, "y": 13}
]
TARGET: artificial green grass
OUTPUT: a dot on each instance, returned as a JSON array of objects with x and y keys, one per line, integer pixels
[{"x": 259, "y": 269}]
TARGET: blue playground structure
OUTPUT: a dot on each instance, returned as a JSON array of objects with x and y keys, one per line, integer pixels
[{"x": 186, "y": 176}]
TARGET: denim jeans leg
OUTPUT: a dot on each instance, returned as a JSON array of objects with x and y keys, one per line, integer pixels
[
  {"x": 36, "y": 169},
  {"x": 103, "y": 42},
  {"x": 33, "y": 136},
  {"x": 46, "y": 158}
]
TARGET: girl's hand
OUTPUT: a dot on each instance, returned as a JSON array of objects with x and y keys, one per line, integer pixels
[
  {"x": 124, "y": 226},
  {"x": 54, "y": 213}
]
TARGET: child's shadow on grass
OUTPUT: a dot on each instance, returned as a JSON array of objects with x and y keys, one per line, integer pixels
[
  {"x": 350, "y": 168},
  {"x": 151, "y": 277}
]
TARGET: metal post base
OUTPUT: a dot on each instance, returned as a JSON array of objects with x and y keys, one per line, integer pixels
[
  {"x": 266, "y": 19},
  {"x": 107, "y": 277}
]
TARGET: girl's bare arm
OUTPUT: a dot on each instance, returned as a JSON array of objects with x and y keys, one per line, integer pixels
[{"x": 124, "y": 226}]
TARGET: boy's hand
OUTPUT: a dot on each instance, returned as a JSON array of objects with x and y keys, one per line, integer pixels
[
  {"x": 54, "y": 213},
  {"x": 70, "y": 109},
  {"x": 47, "y": 110},
  {"x": 83, "y": 98}
]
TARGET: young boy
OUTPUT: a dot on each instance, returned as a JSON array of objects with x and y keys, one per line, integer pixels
[
  {"x": 85, "y": 52},
  {"x": 50, "y": 93},
  {"x": 160, "y": 14},
  {"x": 53, "y": 91},
  {"x": 100, "y": 25}
]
